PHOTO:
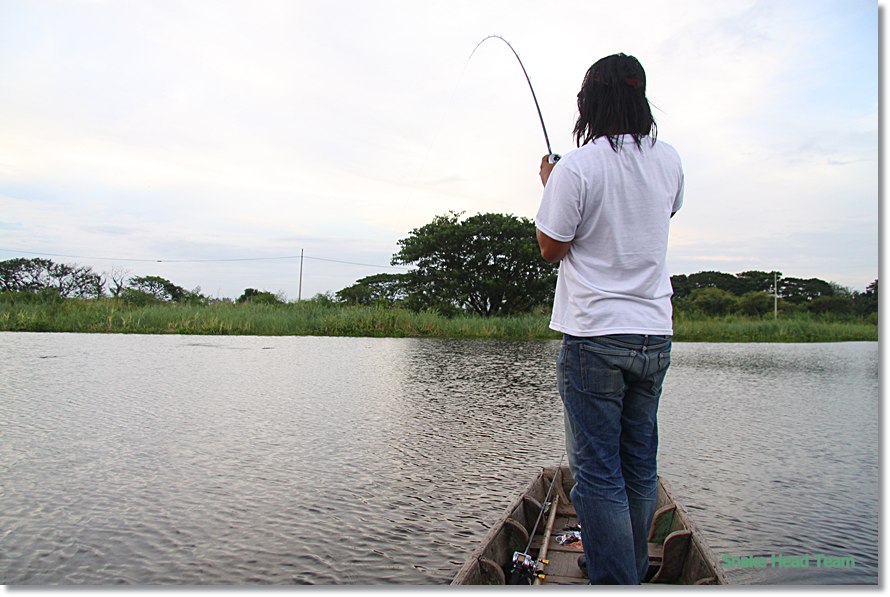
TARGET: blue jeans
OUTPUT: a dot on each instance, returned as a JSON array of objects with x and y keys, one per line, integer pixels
[{"x": 610, "y": 388}]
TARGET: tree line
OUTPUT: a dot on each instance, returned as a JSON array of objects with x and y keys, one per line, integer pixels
[
  {"x": 43, "y": 279},
  {"x": 487, "y": 264},
  {"x": 757, "y": 293},
  {"x": 46, "y": 279}
]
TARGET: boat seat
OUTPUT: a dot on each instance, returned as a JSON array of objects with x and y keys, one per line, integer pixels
[
  {"x": 662, "y": 524},
  {"x": 670, "y": 557}
]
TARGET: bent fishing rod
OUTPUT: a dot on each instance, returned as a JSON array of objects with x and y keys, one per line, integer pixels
[{"x": 551, "y": 157}]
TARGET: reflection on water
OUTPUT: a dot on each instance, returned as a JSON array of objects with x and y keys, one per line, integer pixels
[{"x": 171, "y": 459}]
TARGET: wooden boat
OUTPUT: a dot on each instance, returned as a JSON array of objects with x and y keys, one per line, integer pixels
[{"x": 678, "y": 553}]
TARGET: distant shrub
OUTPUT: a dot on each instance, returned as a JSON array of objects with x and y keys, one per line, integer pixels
[
  {"x": 139, "y": 298},
  {"x": 713, "y": 301},
  {"x": 259, "y": 297},
  {"x": 756, "y": 304}
]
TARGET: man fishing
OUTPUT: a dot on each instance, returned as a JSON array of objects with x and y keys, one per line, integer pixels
[{"x": 604, "y": 217}]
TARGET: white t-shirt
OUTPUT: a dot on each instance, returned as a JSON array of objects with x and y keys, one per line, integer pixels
[{"x": 615, "y": 207}]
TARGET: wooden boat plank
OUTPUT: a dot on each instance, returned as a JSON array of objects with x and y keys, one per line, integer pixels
[
  {"x": 557, "y": 548},
  {"x": 565, "y": 580},
  {"x": 563, "y": 565}
]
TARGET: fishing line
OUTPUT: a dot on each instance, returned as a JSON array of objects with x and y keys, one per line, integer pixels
[{"x": 552, "y": 157}]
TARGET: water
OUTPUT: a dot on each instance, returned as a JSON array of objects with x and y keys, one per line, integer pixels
[{"x": 237, "y": 460}]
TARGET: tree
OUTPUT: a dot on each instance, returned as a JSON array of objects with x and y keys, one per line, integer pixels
[
  {"x": 865, "y": 303},
  {"x": 379, "y": 289},
  {"x": 713, "y": 301},
  {"x": 720, "y": 280},
  {"x": 756, "y": 303},
  {"x": 489, "y": 264},
  {"x": 138, "y": 297},
  {"x": 797, "y": 291},
  {"x": 738, "y": 284},
  {"x": 840, "y": 304},
  {"x": 24, "y": 275},
  {"x": 681, "y": 285},
  {"x": 324, "y": 299},
  {"x": 36, "y": 275},
  {"x": 118, "y": 282},
  {"x": 757, "y": 281},
  {"x": 259, "y": 297},
  {"x": 76, "y": 281},
  {"x": 160, "y": 288}
]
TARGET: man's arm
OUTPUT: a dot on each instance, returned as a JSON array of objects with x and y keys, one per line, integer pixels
[{"x": 552, "y": 250}]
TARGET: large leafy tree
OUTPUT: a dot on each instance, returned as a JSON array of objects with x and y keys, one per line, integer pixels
[
  {"x": 379, "y": 289},
  {"x": 161, "y": 289},
  {"x": 25, "y": 275},
  {"x": 489, "y": 264},
  {"x": 798, "y": 290},
  {"x": 723, "y": 281},
  {"x": 758, "y": 281},
  {"x": 38, "y": 275}
]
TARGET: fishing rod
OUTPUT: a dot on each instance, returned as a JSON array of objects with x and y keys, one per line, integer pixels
[
  {"x": 525, "y": 568},
  {"x": 551, "y": 157}
]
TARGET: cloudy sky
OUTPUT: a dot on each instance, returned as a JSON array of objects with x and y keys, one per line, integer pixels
[{"x": 197, "y": 131}]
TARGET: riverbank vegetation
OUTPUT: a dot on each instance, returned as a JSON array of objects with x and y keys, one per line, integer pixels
[
  {"x": 322, "y": 317},
  {"x": 477, "y": 277}
]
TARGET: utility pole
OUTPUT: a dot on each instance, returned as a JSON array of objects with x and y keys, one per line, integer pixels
[
  {"x": 776, "y": 295},
  {"x": 300, "y": 289}
]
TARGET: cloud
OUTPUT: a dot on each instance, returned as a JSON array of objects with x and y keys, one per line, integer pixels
[{"x": 218, "y": 128}]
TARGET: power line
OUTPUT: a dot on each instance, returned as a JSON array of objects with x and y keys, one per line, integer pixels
[
  {"x": 354, "y": 263},
  {"x": 233, "y": 259}
]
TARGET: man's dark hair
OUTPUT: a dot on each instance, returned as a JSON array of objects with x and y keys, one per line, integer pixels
[{"x": 612, "y": 102}]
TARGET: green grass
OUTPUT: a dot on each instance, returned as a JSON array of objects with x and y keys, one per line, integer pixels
[
  {"x": 303, "y": 319},
  {"x": 314, "y": 319},
  {"x": 798, "y": 328}
]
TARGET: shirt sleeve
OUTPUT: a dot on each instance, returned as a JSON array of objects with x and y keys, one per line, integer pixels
[
  {"x": 560, "y": 212},
  {"x": 678, "y": 201}
]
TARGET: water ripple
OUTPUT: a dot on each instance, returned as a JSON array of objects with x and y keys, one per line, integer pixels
[{"x": 165, "y": 460}]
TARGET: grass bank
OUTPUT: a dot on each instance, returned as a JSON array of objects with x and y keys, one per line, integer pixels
[
  {"x": 314, "y": 319},
  {"x": 300, "y": 319},
  {"x": 797, "y": 328}
]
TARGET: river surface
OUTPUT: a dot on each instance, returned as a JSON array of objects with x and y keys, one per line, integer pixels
[{"x": 282, "y": 460}]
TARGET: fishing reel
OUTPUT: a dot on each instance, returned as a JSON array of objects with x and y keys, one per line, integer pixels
[
  {"x": 525, "y": 569},
  {"x": 553, "y": 158}
]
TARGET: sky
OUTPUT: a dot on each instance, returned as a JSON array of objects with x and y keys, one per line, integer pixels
[{"x": 210, "y": 142}]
